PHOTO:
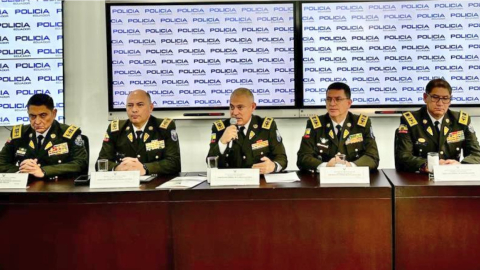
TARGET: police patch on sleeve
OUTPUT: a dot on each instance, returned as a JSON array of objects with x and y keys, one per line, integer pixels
[
  {"x": 279, "y": 137},
  {"x": 471, "y": 129},
  {"x": 174, "y": 135},
  {"x": 79, "y": 141}
]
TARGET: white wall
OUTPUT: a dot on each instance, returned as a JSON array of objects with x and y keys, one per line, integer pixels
[{"x": 86, "y": 95}]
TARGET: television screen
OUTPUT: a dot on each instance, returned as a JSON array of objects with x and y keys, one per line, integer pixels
[
  {"x": 388, "y": 51},
  {"x": 193, "y": 56},
  {"x": 31, "y": 52}
]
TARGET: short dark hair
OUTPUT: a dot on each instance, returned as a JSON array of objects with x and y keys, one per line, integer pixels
[
  {"x": 340, "y": 86},
  {"x": 438, "y": 83},
  {"x": 41, "y": 100}
]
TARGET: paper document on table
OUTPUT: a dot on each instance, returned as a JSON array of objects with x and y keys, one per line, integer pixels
[
  {"x": 183, "y": 182},
  {"x": 282, "y": 177}
]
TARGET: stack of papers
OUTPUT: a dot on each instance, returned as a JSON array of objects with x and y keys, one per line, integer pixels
[
  {"x": 282, "y": 177},
  {"x": 183, "y": 182}
]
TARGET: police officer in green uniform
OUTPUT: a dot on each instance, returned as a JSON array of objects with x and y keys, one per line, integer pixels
[
  {"x": 45, "y": 148},
  {"x": 141, "y": 143},
  {"x": 251, "y": 142},
  {"x": 338, "y": 132},
  {"x": 435, "y": 128}
]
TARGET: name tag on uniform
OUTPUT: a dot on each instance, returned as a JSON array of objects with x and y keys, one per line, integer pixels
[
  {"x": 259, "y": 144},
  {"x": 354, "y": 138},
  {"x": 21, "y": 152},
  {"x": 155, "y": 145},
  {"x": 58, "y": 149},
  {"x": 456, "y": 136}
]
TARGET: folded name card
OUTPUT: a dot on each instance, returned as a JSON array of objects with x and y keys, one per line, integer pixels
[
  {"x": 115, "y": 179},
  {"x": 456, "y": 173},
  {"x": 344, "y": 175},
  {"x": 13, "y": 180},
  {"x": 234, "y": 177}
]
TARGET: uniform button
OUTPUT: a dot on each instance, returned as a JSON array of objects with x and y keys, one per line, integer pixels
[
  {"x": 59, "y": 161},
  {"x": 421, "y": 150},
  {"x": 261, "y": 153},
  {"x": 356, "y": 150},
  {"x": 138, "y": 156},
  {"x": 156, "y": 157},
  {"x": 458, "y": 149},
  {"x": 227, "y": 155},
  {"x": 339, "y": 153},
  {"x": 441, "y": 152},
  {"x": 244, "y": 157},
  {"x": 321, "y": 151}
]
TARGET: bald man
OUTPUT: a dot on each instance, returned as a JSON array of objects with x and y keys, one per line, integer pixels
[
  {"x": 253, "y": 142},
  {"x": 141, "y": 143}
]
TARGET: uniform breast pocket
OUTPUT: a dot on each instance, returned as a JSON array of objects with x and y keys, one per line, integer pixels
[
  {"x": 155, "y": 155},
  {"x": 259, "y": 153},
  {"x": 355, "y": 150},
  {"x": 58, "y": 159}
]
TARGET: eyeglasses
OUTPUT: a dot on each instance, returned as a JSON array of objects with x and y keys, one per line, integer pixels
[
  {"x": 337, "y": 100},
  {"x": 445, "y": 100}
]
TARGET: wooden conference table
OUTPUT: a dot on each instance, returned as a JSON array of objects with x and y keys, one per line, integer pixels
[
  {"x": 302, "y": 225},
  {"x": 437, "y": 225}
]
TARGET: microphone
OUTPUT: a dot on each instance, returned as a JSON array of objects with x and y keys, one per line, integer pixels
[{"x": 233, "y": 121}]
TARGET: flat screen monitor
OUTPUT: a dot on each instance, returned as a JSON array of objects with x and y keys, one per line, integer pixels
[
  {"x": 388, "y": 51},
  {"x": 192, "y": 56}
]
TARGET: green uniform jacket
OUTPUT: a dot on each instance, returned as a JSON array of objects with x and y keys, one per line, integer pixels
[
  {"x": 320, "y": 144},
  {"x": 159, "y": 151},
  {"x": 62, "y": 151},
  {"x": 415, "y": 138},
  {"x": 262, "y": 140}
]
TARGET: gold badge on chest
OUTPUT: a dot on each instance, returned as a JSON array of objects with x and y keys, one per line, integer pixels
[
  {"x": 331, "y": 134},
  {"x": 130, "y": 137},
  {"x": 430, "y": 131}
]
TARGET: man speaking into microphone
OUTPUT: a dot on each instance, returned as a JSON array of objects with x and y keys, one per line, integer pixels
[{"x": 247, "y": 140}]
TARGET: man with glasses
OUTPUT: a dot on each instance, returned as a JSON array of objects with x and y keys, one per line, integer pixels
[
  {"x": 338, "y": 132},
  {"x": 435, "y": 128},
  {"x": 251, "y": 141}
]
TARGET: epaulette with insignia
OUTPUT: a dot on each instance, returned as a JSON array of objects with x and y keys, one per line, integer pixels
[
  {"x": 219, "y": 124},
  {"x": 114, "y": 126},
  {"x": 463, "y": 119},
  {"x": 165, "y": 123},
  {"x": 70, "y": 131},
  {"x": 17, "y": 132},
  {"x": 362, "y": 120},
  {"x": 315, "y": 122},
  {"x": 267, "y": 123},
  {"x": 410, "y": 119}
]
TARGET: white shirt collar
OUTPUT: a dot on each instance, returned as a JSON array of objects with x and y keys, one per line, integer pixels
[
  {"x": 247, "y": 125},
  {"x": 335, "y": 125},
  {"x": 44, "y": 134},
  {"x": 433, "y": 119},
  {"x": 135, "y": 129}
]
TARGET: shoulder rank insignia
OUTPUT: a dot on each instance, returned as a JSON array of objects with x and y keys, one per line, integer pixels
[
  {"x": 219, "y": 124},
  {"x": 315, "y": 122},
  {"x": 70, "y": 131},
  {"x": 165, "y": 123},
  {"x": 267, "y": 123},
  {"x": 114, "y": 126},
  {"x": 410, "y": 119},
  {"x": 362, "y": 120},
  {"x": 463, "y": 118},
  {"x": 17, "y": 132}
]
